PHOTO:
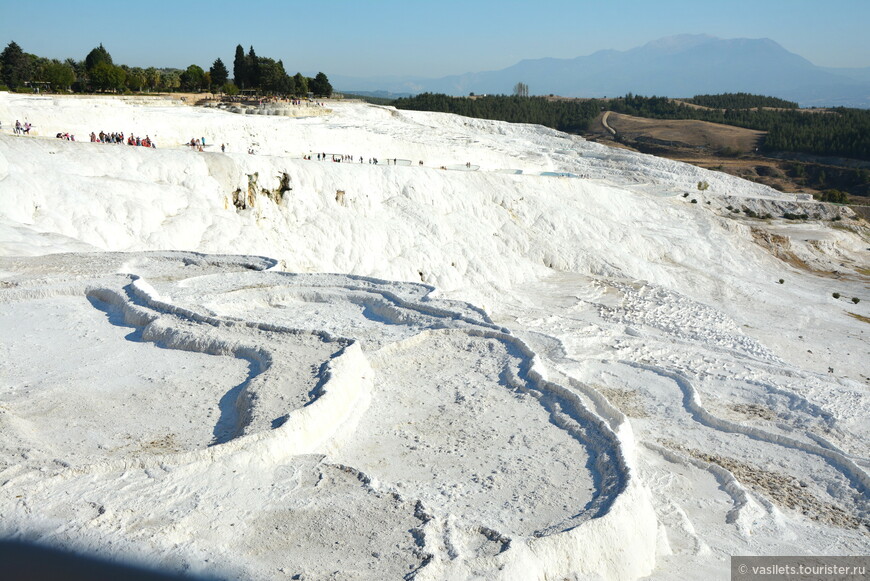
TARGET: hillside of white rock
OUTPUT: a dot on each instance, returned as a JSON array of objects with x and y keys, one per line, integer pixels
[{"x": 501, "y": 352}]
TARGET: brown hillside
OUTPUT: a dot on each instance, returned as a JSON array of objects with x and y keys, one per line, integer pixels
[
  {"x": 701, "y": 135},
  {"x": 725, "y": 148}
]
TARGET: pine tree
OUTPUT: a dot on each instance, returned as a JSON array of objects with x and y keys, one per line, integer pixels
[
  {"x": 320, "y": 86},
  {"x": 97, "y": 56},
  {"x": 273, "y": 77},
  {"x": 219, "y": 74},
  {"x": 16, "y": 66}
]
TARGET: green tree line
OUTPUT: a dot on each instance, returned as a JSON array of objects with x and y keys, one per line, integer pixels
[
  {"x": 269, "y": 76},
  {"x": 568, "y": 116},
  {"x": 98, "y": 73},
  {"x": 740, "y": 101},
  {"x": 839, "y": 131}
]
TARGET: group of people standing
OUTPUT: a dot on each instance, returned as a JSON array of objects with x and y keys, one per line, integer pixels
[
  {"x": 197, "y": 143},
  {"x": 335, "y": 157},
  {"x": 22, "y": 129},
  {"x": 349, "y": 158},
  {"x": 104, "y": 137}
]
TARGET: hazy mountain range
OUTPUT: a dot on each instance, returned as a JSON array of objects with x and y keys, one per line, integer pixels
[{"x": 677, "y": 66}]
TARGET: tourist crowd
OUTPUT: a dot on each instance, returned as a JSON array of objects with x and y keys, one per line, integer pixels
[
  {"x": 104, "y": 137},
  {"x": 338, "y": 158}
]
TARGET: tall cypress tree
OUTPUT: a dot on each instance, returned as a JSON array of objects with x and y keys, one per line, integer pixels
[
  {"x": 252, "y": 65},
  {"x": 240, "y": 69}
]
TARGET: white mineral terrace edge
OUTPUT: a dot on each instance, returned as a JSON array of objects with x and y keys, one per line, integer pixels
[{"x": 618, "y": 510}]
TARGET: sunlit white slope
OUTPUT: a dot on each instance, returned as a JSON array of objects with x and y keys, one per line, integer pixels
[
  {"x": 629, "y": 219},
  {"x": 389, "y": 219},
  {"x": 701, "y": 341}
]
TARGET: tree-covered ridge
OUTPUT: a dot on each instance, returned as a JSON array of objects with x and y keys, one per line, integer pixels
[
  {"x": 740, "y": 101},
  {"x": 569, "y": 116},
  {"x": 832, "y": 132},
  {"x": 838, "y": 132},
  {"x": 98, "y": 72}
]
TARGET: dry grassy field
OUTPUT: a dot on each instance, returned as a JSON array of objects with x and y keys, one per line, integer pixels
[
  {"x": 733, "y": 150},
  {"x": 690, "y": 134}
]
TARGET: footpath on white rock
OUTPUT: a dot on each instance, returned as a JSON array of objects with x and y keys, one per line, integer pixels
[{"x": 565, "y": 361}]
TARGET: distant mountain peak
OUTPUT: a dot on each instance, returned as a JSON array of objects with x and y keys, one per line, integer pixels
[
  {"x": 676, "y": 66},
  {"x": 678, "y": 42}
]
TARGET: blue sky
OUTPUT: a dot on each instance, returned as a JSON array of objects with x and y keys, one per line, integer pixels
[{"x": 418, "y": 37}]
